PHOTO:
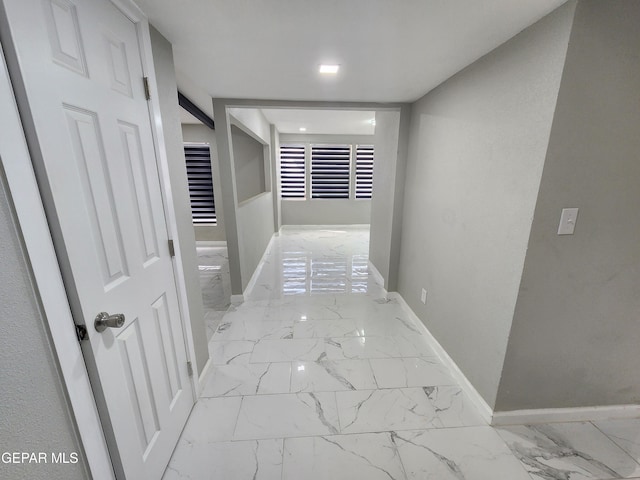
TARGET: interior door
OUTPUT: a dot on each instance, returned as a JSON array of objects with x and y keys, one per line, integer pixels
[{"x": 90, "y": 135}]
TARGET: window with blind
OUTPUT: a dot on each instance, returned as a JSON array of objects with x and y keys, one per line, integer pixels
[
  {"x": 364, "y": 171},
  {"x": 200, "y": 178},
  {"x": 330, "y": 171},
  {"x": 292, "y": 171}
]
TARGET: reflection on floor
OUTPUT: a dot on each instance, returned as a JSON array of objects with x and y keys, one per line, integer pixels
[
  {"x": 318, "y": 377},
  {"x": 213, "y": 266}
]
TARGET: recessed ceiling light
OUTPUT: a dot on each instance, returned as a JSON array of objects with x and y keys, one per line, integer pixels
[
  {"x": 326, "y": 68},
  {"x": 373, "y": 122},
  {"x": 303, "y": 129}
]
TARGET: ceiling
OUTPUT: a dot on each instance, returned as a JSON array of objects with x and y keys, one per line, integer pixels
[
  {"x": 321, "y": 121},
  {"x": 389, "y": 50}
]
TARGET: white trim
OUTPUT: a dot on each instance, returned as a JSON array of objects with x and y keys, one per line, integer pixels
[
  {"x": 377, "y": 276},
  {"x": 483, "y": 407},
  {"x": 48, "y": 280},
  {"x": 256, "y": 272},
  {"x": 203, "y": 377},
  {"x": 211, "y": 243},
  {"x": 578, "y": 414}
]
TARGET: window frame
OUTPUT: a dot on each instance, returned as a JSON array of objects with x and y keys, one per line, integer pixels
[
  {"x": 210, "y": 221},
  {"x": 308, "y": 145}
]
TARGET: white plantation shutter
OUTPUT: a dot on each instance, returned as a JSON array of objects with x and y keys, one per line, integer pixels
[
  {"x": 200, "y": 178},
  {"x": 292, "y": 171},
  {"x": 364, "y": 171},
  {"x": 330, "y": 165}
]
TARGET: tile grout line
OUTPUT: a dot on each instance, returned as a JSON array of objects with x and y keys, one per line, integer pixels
[{"x": 616, "y": 443}]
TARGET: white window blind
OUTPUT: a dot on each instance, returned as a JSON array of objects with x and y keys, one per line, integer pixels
[
  {"x": 292, "y": 171},
  {"x": 200, "y": 178},
  {"x": 364, "y": 171},
  {"x": 330, "y": 165}
]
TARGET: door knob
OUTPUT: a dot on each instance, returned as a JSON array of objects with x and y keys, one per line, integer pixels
[{"x": 104, "y": 320}]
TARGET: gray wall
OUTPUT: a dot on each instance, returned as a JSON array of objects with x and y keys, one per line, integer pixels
[
  {"x": 203, "y": 134},
  {"x": 250, "y": 225},
  {"x": 476, "y": 152},
  {"x": 326, "y": 212},
  {"x": 36, "y": 415},
  {"x": 255, "y": 227},
  {"x": 167, "y": 91},
  {"x": 275, "y": 178},
  {"x": 382, "y": 201},
  {"x": 575, "y": 339},
  {"x": 248, "y": 159}
]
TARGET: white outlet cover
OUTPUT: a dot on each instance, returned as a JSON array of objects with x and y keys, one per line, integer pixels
[{"x": 568, "y": 221}]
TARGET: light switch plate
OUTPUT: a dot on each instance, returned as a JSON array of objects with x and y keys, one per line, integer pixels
[{"x": 568, "y": 221}]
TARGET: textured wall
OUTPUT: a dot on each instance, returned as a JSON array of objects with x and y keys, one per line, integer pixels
[
  {"x": 35, "y": 414},
  {"x": 575, "y": 339},
  {"x": 476, "y": 152}
]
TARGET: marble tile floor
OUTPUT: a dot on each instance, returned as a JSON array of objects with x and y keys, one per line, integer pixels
[
  {"x": 213, "y": 269},
  {"x": 317, "y": 376}
]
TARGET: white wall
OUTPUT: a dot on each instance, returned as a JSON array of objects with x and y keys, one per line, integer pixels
[
  {"x": 36, "y": 414},
  {"x": 203, "y": 134},
  {"x": 476, "y": 152},
  {"x": 167, "y": 91},
  {"x": 575, "y": 340}
]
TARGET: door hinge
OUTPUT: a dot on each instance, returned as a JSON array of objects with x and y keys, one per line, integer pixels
[
  {"x": 147, "y": 91},
  {"x": 81, "y": 333},
  {"x": 190, "y": 369},
  {"x": 172, "y": 249}
]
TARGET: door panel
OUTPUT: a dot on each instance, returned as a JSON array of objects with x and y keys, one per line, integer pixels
[{"x": 91, "y": 136}]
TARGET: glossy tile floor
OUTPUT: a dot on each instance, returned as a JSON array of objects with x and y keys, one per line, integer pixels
[
  {"x": 318, "y": 377},
  {"x": 213, "y": 268}
]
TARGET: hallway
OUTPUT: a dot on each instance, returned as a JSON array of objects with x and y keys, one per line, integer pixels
[{"x": 318, "y": 376}]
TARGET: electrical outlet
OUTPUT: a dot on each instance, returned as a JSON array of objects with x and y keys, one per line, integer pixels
[{"x": 423, "y": 296}]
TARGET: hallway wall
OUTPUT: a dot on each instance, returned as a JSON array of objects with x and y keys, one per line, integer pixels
[
  {"x": 250, "y": 224},
  {"x": 476, "y": 152},
  {"x": 575, "y": 337},
  {"x": 36, "y": 414}
]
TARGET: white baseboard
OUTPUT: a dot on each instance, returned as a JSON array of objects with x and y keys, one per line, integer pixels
[
  {"x": 555, "y": 415},
  {"x": 237, "y": 298},
  {"x": 256, "y": 272},
  {"x": 354, "y": 226},
  {"x": 203, "y": 377},
  {"x": 377, "y": 276},
  {"x": 483, "y": 407},
  {"x": 211, "y": 243}
]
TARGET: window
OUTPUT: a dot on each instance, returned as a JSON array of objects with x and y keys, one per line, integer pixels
[
  {"x": 333, "y": 171},
  {"x": 200, "y": 178},
  {"x": 364, "y": 171},
  {"x": 330, "y": 169},
  {"x": 292, "y": 171}
]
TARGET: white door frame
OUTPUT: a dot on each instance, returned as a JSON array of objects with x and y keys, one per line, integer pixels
[{"x": 44, "y": 263}]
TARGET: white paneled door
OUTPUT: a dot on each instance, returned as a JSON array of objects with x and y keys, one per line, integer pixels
[{"x": 90, "y": 135}]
